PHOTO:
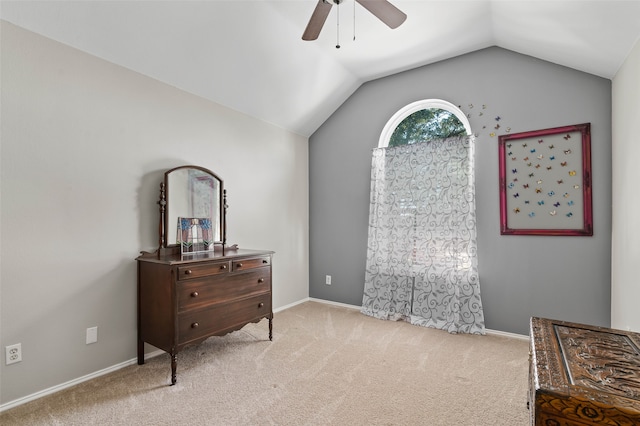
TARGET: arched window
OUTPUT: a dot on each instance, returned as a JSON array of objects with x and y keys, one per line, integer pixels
[
  {"x": 424, "y": 120},
  {"x": 421, "y": 251}
]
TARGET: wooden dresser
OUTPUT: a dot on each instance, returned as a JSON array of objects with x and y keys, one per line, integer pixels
[
  {"x": 183, "y": 300},
  {"x": 583, "y": 375}
]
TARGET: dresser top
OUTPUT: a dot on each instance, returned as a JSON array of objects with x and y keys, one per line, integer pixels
[
  {"x": 595, "y": 363},
  {"x": 175, "y": 258}
]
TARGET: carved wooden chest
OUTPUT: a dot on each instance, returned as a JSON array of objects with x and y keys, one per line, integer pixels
[{"x": 583, "y": 375}]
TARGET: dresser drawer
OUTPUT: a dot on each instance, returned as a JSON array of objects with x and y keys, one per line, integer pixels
[
  {"x": 219, "y": 319},
  {"x": 216, "y": 289},
  {"x": 255, "y": 262},
  {"x": 195, "y": 271}
]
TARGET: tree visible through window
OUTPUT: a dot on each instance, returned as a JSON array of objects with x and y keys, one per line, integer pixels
[{"x": 426, "y": 124}]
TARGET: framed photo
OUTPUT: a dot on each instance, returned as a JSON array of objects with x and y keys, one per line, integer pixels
[{"x": 545, "y": 182}]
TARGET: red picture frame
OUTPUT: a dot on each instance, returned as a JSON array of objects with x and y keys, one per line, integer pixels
[{"x": 545, "y": 182}]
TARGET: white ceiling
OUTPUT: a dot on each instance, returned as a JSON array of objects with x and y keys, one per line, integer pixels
[{"x": 249, "y": 56}]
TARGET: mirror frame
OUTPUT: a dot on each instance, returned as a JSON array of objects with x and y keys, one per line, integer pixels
[{"x": 164, "y": 201}]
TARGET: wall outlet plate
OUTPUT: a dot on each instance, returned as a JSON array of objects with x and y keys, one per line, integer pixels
[{"x": 13, "y": 353}]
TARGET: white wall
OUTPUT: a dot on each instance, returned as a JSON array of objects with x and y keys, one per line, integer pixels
[
  {"x": 625, "y": 247},
  {"x": 85, "y": 144}
]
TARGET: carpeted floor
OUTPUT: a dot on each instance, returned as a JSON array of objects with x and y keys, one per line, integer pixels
[{"x": 327, "y": 365}]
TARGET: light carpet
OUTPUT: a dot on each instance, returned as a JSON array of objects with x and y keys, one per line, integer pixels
[{"x": 326, "y": 365}]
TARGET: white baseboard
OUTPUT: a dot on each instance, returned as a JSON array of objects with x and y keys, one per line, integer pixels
[
  {"x": 65, "y": 385},
  {"x": 57, "y": 388},
  {"x": 507, "y": 334},
  {"x": 493, "y": 332},
  {"x": 329, "y": 302},
  {"x": 313, "y": 299},
  {"x": 290, "y": 305},
  {"x": 70, "y": 383}
]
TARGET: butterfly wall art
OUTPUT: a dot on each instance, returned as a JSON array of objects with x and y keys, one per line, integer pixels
[
  {"x": 482, "y": 118},
  {"x": 548, "y": 200}
]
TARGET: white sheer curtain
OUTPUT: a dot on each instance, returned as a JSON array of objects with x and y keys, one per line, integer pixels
[{"x": 421, "y": 256}]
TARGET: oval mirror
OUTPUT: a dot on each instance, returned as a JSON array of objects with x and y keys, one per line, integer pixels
[{"x": 193, "y": 192}]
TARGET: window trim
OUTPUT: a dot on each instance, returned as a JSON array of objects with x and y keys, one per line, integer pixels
[{"x": 406, "y": 111}]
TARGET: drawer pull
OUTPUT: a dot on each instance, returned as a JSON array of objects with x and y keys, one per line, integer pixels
[
  {"x": 239, "y": 265},
  {"x": 187, "y": 272},
  {"x": 265, "y": 261},
  {"x": 260, "y": 305},
  {"x": 223, "y": 267},
  {"x": 194, "y": 294},
  {"x": 261, "y": 280},
  {"x": 195, "y": 325}
]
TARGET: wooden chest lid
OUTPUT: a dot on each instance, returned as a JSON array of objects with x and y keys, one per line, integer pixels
[{"x": 596, "y": 364}]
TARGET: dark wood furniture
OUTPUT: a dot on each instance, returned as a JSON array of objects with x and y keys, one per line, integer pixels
[
  {"x": 185, "y": 301},
  {"x": 190, "y": 290},
  {"x": 583, "y": 375}
]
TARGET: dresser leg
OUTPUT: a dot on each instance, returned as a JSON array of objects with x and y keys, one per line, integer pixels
[
  {"x": 140, "y": 352},
  {"x": 174, "y": 366},
  {"x": 271, "y": 327}
]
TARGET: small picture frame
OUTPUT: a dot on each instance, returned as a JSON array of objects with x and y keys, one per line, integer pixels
[
  {"x": 195, "y": 235},
  {"x": 545, "y": 182}
]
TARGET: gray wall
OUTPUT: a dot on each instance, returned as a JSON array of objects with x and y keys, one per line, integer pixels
[{"x": 565, "y": 278}]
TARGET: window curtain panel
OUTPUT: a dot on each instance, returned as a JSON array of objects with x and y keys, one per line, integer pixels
[{"x": 421, "y": 256}]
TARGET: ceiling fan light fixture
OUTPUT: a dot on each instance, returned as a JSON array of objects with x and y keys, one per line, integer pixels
[{"x": 381, "y": 9}]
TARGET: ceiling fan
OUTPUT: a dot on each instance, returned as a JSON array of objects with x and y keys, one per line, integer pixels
[{"x": 382, "y": 9}]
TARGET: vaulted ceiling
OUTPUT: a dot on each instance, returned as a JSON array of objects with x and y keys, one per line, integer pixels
[{"x": 249, "y": 56}]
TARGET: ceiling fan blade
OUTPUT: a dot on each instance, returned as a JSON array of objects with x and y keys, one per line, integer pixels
[
  {"x": 316, "y": 22},
  {"x": 384, "y": 11}
]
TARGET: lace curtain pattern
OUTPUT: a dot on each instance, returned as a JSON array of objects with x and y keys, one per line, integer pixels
[{"x": 421, "y": 255}]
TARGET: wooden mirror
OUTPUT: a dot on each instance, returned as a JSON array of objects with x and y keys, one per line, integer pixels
[{"x": 191, "y": 192}]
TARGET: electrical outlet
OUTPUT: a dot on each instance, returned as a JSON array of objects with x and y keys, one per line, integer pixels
[
  {"x": 327, "y": 280},
  {"x": 13, "y": 353},
  {"x": 92, "y": 335}
]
